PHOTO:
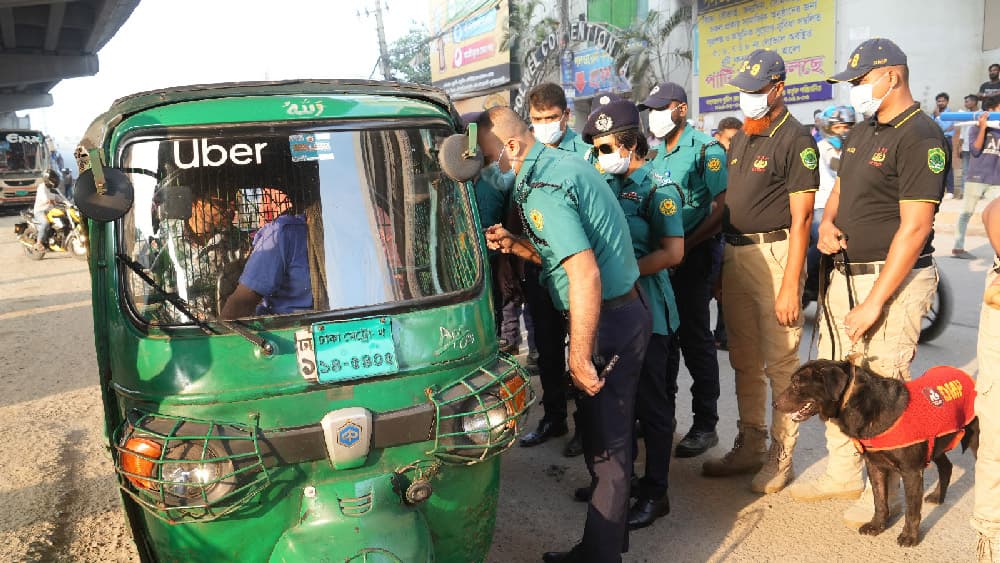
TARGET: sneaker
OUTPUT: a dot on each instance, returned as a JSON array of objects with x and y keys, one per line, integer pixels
[
  {"x": 776, "y": 473},
  {"x": 961, "y": 254},
  {"x": 825, "y": 487},
  {"x": 862, "y": 511},
  {"x": 949, "y": 195}
]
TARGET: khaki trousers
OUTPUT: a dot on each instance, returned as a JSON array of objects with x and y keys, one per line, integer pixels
[
  {"x": 888, "y": 350},
  {"x": 986, "y": 507},
  {"x": 760, "y": 349}
]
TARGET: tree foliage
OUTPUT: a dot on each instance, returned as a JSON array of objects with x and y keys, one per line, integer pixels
[
  {"x": 410, "y": 57},
  {"x": 647, "y": 56}
]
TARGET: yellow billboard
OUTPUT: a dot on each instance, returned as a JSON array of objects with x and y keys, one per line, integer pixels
[
  {"x": 803, "y": 32},
  {"x": 465, "y": 46}
]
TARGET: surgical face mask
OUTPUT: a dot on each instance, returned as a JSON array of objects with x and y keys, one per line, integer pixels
[
  {"x": 548, "y": 133},
  {"x": 614, "y": 163},
  {"x": 661, "y": 122},
  {"x": 755, "y": 106},
  {"x": 863, "y": 99}
]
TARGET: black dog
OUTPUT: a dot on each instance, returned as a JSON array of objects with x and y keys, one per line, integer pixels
[{"x": 866, "y": 406}]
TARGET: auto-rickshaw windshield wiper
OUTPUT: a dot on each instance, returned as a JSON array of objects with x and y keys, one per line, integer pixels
[{"x": 184, "y": 307}]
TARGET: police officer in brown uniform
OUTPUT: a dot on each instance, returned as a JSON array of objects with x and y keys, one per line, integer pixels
[
  {"x": 879, "y": 225},
  {"x": 772, "y": 182}
]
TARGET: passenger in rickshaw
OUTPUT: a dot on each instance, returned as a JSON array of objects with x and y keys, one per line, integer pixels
[
  {"x": 276, "y": 279},
  {"x": 196, "y": 252}
]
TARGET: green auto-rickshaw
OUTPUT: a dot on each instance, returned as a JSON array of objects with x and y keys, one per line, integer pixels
[{"x": 355, "y": 410}]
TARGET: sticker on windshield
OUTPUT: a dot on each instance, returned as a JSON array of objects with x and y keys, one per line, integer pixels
[
  {"x": 310, "y": 146},
  {"x": 354, "y": 349}
]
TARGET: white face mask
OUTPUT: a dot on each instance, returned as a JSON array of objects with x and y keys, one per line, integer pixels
[
  {"x": 862, "y": 98},
  {"x": 548, "y": 133},
  {"x": 614, "y": 163},
  {"x": 661, "y": 122},
  {"x": 755, "y": 106}
]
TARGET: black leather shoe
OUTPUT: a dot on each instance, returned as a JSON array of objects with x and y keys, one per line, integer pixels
[
  {"x": 696, "y": 442},
  {"x": 645, "y": 511},
  {"x": 574, "y": 447},
  {"x": 570, "y": 556},
  {"x": 545, "y": 430}
]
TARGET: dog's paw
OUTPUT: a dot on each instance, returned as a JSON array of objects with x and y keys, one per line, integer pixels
[
  {"x": 871, "y": 529},
  {"x": 908, "y": 539}
]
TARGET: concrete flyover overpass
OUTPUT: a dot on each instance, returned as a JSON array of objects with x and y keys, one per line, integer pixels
[{"x": 45, "y": 41}]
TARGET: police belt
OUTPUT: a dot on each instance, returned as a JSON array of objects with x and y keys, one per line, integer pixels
[
  {"x": 626, "y": 297},
  {"x": 866, "y": 268},
  {"x": 755, "y": 238}
]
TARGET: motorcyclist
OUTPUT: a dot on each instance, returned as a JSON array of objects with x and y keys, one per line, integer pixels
[
  {"x": 46, "y": 197},
  {"x": 836, "y": 123}
]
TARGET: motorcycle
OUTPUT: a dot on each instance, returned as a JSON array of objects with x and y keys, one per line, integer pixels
[{"x": 66, "y": 232}]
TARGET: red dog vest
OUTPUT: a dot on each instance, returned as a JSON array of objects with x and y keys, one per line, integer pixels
[{"x": 942, "y": 401}]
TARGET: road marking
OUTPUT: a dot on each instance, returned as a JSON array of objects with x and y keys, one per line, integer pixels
[{"x": 49, "y": 309}]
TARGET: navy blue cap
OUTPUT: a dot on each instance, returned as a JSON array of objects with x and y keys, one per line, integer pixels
[
  {"x": 613, "y": 117},
  {"x": 868, "y": 56},
  {"x": 662, "y": 94},
  {"x": 761, "y": 68},
  {"x": 470, "y": 117},
  {"x": 602, "y": 99}
]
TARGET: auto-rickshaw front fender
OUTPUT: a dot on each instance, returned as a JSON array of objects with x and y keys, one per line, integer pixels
[{"x": 353, "y": 521}]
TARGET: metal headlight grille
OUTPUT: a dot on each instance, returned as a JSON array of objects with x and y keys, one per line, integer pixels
[
  {"x": 480, "y": 415},
  {"x": 184, "y": 470}
]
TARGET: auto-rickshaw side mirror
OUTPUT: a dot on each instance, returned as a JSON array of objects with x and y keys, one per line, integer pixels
[
  {"x": 102, "y": 193},
  {"x": 460, "y": 157}
]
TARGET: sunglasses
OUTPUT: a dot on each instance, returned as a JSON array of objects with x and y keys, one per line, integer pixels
[{"x": 606, "y": 148}]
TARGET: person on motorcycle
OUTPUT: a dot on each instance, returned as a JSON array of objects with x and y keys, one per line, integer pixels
[
  {"x": 46, "y": 197},
  {"x": 837, "y": 122}
]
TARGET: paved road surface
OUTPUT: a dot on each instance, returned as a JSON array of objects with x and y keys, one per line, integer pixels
[{"x": 58, "y": 500}]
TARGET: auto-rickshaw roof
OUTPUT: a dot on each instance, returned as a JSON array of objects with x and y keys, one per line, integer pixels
[{"x": 141, "y": 101}]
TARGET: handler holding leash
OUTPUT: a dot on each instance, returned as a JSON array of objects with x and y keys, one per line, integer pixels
[
  {"x": 986, "y": 507},
  {"x": 881, "y": 212}
]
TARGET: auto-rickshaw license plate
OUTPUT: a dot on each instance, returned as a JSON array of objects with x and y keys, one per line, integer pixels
[{"x": 353, "y": 349}]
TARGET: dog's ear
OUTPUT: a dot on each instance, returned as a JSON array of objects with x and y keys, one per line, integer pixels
[{"x": 834, "y": 380}]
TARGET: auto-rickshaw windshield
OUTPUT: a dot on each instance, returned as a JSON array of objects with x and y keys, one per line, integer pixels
[
  {"x": 22, "y": 151},
  {"x": 260, "y": 222}
]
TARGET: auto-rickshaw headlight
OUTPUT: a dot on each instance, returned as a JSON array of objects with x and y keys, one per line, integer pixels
[
  {"x": 487, "y": 420},
  {"x": 190, "y": 478}
]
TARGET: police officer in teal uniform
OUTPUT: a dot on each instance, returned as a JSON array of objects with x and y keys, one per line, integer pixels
[
  {"x": 698, "y": 164},
  {"x": 578, "y": 233},
  {"x": 652, "y": 205},
  {"x": 549, "y": 113}
]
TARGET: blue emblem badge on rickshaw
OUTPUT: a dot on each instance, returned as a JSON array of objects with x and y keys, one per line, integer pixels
[{"x": 349, "y": 434}]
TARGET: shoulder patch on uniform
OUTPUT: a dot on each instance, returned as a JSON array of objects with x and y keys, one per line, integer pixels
[
  {"x": 668, "y": 207},
  {"x": 809, "y": 158},
  {"x": 714, "y": 164},
  {"x": 537, "y": 218},
  {"x": 936, "y": 160}
]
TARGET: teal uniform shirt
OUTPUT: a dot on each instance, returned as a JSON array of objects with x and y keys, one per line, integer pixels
[
  {"x": 566, "y": 208},
  {"x": 700, "y": 181},
  {"x": 571, "y": 142},
  {"x": 652, "y": 215}
]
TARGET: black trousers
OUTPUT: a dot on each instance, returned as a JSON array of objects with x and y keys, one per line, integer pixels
[
  {"x": 608, "y": 422},
  {"x": 655, "y": 403},
  {"x": 692, "y": 283},
  {"x": 550, "y": 343}
]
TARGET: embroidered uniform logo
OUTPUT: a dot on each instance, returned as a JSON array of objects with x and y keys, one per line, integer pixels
[
  {"x": 603, "y": 122},
  {"x": 878, "y": 157},
  {"x": 851, "y": 150},
  {"x": 605, "y": 100},
  {"x": 653, "y": 91},
  {"x": 755, "y": 70},
  {"x": 809, "y": 158},
  {"x": 714, "y": 164},
  {"x": 936, "y": 160},
  {"x": 760, "y": 164},
  {"x": 537, "y": 218},
  {"x": 668, "y": 207},
  {"x": 854, "y": 60}
]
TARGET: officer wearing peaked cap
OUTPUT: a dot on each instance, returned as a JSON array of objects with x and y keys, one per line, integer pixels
[
  {"x": 579, "y": 235},
  {"x": 773, "y": 178},
  {"x": 881, "y": 213},
  {"x": 652, "y": 206},
  {"x": 697, "y": 163}
]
